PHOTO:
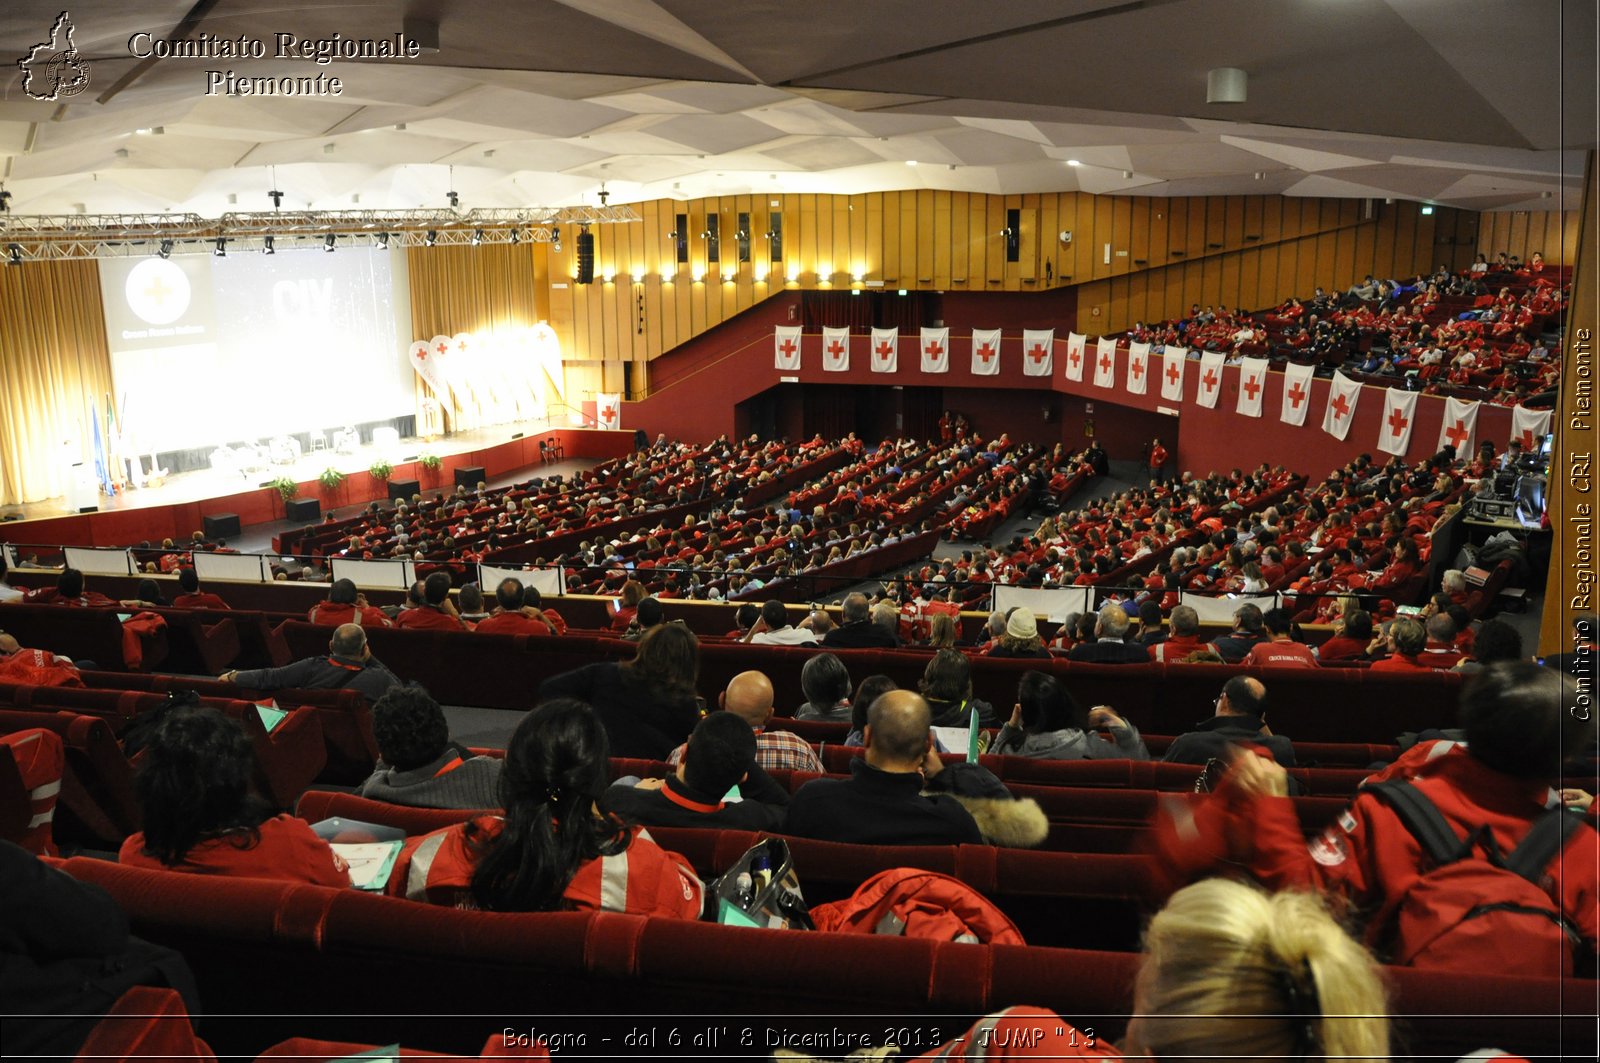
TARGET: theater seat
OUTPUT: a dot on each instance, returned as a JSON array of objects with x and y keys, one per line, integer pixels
[{"x": 146, "y": 1022}]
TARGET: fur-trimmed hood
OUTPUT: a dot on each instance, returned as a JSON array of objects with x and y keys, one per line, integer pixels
[{"x": 1016, "y": 823}]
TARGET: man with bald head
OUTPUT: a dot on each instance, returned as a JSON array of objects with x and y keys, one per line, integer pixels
[
  {"x": 901, "y": 793},
  {"x": 749, "y": 697},
  {"x": 1111, "y": 645},
  {"x": 1241, "y": 718},
  {"x": 349, "y": 665}
]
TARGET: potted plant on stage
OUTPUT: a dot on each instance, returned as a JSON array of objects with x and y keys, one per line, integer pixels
[
  {"x": 287, "y": 489},
  {"x": 330, "y": 479},
  {"x": 380, "y": 470},
  {"x": 432, "y": 463}
]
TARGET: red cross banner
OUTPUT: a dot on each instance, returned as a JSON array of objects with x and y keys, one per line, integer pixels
[
  {"x": 1210, "y": 387},
  {"x": 1529, "y": 426},
  {"x": 608, "y": 411},
  {"x": 1173, "y": 362},
  {"x": 429, "y": 365},
  {"x": 1296, "y": 393},
  {"x": 985, "y": 352},
  {"x": 1341, "y": 409},
  {"x": 935, "y": 346},
  {"x": 1105, "y": 362},
  {"x": 1456, "y": 428},
  {"x": 1138, "y": 367},
  {"x": 786, "y": 344},
  {"x": 885, "y": 350},
  {"x": 1252, "y": 386},
  {"x": 836, "y": 350},
  {"x": 1077, "y": 354},
  {"x": 1038, "y": 352},
  {"x": 1399, "y": 415}
]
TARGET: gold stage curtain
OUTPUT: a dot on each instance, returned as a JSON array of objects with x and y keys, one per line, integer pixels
[
  {"x": 54, "y": 364},
  {"x": 484, "y": 290}
]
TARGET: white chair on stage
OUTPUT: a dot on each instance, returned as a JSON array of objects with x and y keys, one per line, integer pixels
[
  {"x": 285, "y": 450},
  {"x": 346, "y": 440}
]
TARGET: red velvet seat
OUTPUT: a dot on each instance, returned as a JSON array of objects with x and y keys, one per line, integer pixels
[
  {"x": 146, "y": 1022},
  {"x": 98, "y": 805}
]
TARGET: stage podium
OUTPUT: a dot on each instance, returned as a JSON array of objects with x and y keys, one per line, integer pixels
[{"x": 83, "y": 491}]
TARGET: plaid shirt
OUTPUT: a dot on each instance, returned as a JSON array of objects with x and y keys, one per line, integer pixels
[{"x": 775, "y": 751}]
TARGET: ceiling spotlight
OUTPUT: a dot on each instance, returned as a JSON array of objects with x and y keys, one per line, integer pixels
[
  {"x": 276, "y": 197},
  {"x": 911, "y": 162},
  {"x": 5, "y": 201},
  {"x": 233, "y": 197},
  {"x": 1074, "y": 162},
  {"x": 80, "y": 208},
  {"x": 220, "y": 249},
  {"x": 123, "y": 153},
  {"x": 488, "y": 153},
  {"x": 15, "y": 252},
  {"x": 267, "y": 248},
  {"x": 431, "y": 238},
  {"x": 455, "y": 200},
  {"x": 555, "y": 238},
  {"x": 382, "y": 242},
  {"x": 164, "y": 250},
  {"x": 327, "y": 242},
  {"x": 1127, "y": 175},
  {"x": 327, "y": 149},
  {"x": 516, "y": 237},
  {"x": 477, "y": 237},
  {"x": 1226, "y": 84}
]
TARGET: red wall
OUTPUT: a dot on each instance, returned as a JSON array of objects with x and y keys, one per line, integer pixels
[
  {"x": 1056, "y": 308},
  {"x": 259, "y": 505}
]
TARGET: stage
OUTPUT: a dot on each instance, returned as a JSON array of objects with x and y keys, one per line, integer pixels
[{"x": 177, "y": 507}]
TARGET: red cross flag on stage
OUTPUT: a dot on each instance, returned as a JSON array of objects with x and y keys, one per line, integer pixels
[
  {"x": 1105, "y": 362},
  {"x": 885, "y": 350},
  {"x": 985, "y": 352},
  {"x": 1252, "y": 386},
  {"x": 1455, "y": 430},
  {"x": 1296, "y": 393},
  {"x": 1077, "y": 354},
  {"x": 1038, "y": 351},
  {"x": 1210, "y": 387},
  {"x": 427, "y": 362},
  {"x": 1173, "y": 361},
  {"x": 1341, "y": 409},
  {"x": 1138, "y": 367},
  {"x": 786, "y": 341},
  {"x": 836, "y": 349},
  {"x": 608, "y": 411},
  {"x": 1399, "y": 415},
  {"x": 1529, "y": 426},
  {"x": 935, "y": 350}
]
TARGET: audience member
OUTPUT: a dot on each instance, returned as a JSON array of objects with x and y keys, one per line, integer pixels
[
  {"x": 946, "y": 685},
  {"x": 625, "y": 605},
  {"x": 1282, "y": 651},
  {"x": 69, "y": 590},
  {"x": 648, "y": 705},
  {"x": 1239, "y": 716},
  {"x": 193, "y": 597},
  {"x": 1021, "y": 638},
  {"x": 1404, "y": 640},
  {"x": 749, "y": 697},
  {"x": 418, "y": 764},
  {"x": 1496, "y": 641},
  {"x": 1352, "y": 634},
  {"x": 202, "y": 816},
  {"x": 1183, "y": 639},
  {"x": 349, "y": 665},
  {"x": 436, "y": 611},
  {"x": 867, "y": 691},
  {"x": 511, "y": 615},
  {"x": 720, "y": 755},
  {"x": 346, "y": 605},
  {"x": 470, "y": 606},
  {"x": 8, "y": 593},
  {"x": 1047, "y": 723},
  {"x": 1246, "y": 634},
  {"x": 825, "y": 682},
  {"x": 552, "y": 848},
  {"x": 1110, "y": 645},
  {"x": 857, "y": 631},
  {"x": 647, "y": 616},
  {"x": 773, "y": 628}
]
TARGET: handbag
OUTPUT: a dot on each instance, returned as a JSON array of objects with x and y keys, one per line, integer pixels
[{"x": 761, "y": 889}]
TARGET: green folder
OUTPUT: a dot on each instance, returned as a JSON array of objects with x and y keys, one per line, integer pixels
[{"x": 271, "y": 716}]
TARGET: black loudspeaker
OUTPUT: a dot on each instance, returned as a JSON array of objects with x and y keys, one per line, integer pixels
[
  {"x": 221, "y": 525},
  {"x": 469, "y": 476},
  {"x": 402, "y": 490},
  {"x": 303, "y": 509},
  {"x": 586, "y": 258}
]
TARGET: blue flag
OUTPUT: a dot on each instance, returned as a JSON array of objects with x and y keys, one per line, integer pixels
[{"x": 99, "y": 453}]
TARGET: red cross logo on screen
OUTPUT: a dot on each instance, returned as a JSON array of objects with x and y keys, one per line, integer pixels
[
  {"x": 1210, "y": 380},
  {"x": 1297, "y": 395},
  {"x": 985, "y": 353},
  {"x": 1340, "y": 407},
  {"x": 1037, "y": 353},
  {"x": 836, "y": 348},
  {"x": 1136, "y": 367},
  {"x": 1457, "y": 434},
  {"x": 1251, "y": 386},
  {"x": 1397, "y": 422},
  {"x": 787, "y": 347},
  {"x": 158, "y": 291}
]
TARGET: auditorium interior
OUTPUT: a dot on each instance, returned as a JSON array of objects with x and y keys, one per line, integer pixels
[{"x": 1163, "y": 355}]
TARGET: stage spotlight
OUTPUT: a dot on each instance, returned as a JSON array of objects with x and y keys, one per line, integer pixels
[
  {"x": 555, "y": 239},
  {"x": 382, "y": 242},
  {"x": 516, "y": 237},
  {"x": 266, "y": 246},
  {"x": 5, "y": 201},
  {"x": 15, "y": 251},
  {"x": 327, "y": 242},
  {"x": 221, "y": 247},
  {"x": 165, "y": 249},
  {"x": 455, "y": 200},
  {"x": 277, "y": 198},
  {"x": 477, "y": 237},
  {"x": 431, "y": 238}
]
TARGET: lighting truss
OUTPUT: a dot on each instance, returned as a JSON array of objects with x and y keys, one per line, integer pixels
[{"x": 81, "y": 236}]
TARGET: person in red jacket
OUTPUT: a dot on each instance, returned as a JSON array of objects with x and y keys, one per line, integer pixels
[
  {"x": 1518, "y": 718},
  {"x": 67, "y": 591},
  {"x": 193, "y": 597},
  {"x": 1158, "y": 460},
  {"x": 1405, "y": 640},
  {"x": 436, "y": 612},
  {"x": 346, "y": 605},
  {"x": 512, "y": 617},
  {"x": 552, "y": 849}
]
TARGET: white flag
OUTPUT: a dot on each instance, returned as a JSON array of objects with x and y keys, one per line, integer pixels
[
  {"x": 426, "y": 360},
  {"x": 1456, "y": 428},
  {"x": 1173, "y": 361},
  {"x": 1252, "y": 385},
  {"x": 1399, "y": 416},
  {"x": 1343, "y": 394},
  {"x": 936, "y": 350},
  {"x": 985, "y": 352},
  {"x": 1105, "y": 362},
  {"x": 1528, "y": 426},
  {"x": 1296, "y": 393},
  {"x": 1038, "y": 351},
  {"x": 885, "y": 350},
  {"x": 786, "y": 344},
  {"x": 608, "y": 411},
  {"x": 1138, "y": 367},
  {"x": 1076, "y": 355},
  {"x": 1210, "y": 379},
  {"x": 836, "y": 349}
]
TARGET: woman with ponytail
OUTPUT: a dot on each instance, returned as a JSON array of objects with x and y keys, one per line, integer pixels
[{"x": 551, "y": 849}]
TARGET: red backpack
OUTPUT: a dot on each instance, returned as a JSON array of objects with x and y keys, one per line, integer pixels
[
  {"x": 1472, "y": 912},
  {"x": 909, "y": 902},
  {"x": 38, "y": 668}
]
